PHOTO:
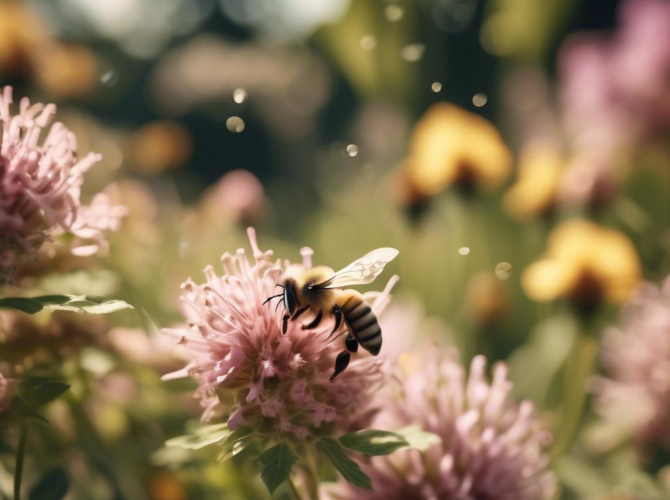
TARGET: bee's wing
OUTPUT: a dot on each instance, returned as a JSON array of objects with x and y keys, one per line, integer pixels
[{"x": 363, "y": 270}]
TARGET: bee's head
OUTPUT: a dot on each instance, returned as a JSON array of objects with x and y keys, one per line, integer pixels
[{"x": 290, "y": 297}]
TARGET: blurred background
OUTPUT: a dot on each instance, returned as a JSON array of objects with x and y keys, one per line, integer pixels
[{"x": 515, "y": 152}]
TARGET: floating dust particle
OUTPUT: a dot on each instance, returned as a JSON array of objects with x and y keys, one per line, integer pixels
[
  {"x": 503, "y": 271},
  {"x": 240, "y": 95},
  {"x": 235, "y": 124},
  {"x": 109, "y": 78},
  {"x": 479, "y": 100},
  {"x": 413, "y": 53},
  {"x": 352, "y": 150},
  {"x": 394, "y": 13},
  {"x": 368, "y": 42},
  {"x": 464, "y": 250},
  {"x": 436, "y": 87}
]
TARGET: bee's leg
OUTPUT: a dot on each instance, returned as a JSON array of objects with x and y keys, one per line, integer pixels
[
  {"x": 351, "y": 343},
  {"x": 284, "y": 325},
  {"x": 298, "y": 313},
  {"x": 337, "y": 312},
  {"x": 314, "y": 323},
  {"x": 341, "y": 363}
]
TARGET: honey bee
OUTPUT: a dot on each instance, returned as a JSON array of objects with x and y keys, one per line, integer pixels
[{"x": 319, "y": 290}]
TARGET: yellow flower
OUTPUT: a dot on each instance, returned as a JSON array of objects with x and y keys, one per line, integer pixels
[
  {"x": 451, "y": 146},
  {"x": 160, "y": 145},
  {"x": 584, "y": 263},
  {"x": 22, "y": 34},
  {"x": 536, "y": 188}
]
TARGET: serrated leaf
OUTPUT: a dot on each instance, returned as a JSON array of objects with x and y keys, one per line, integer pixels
[
  {"x": 37, "y": 393},
  {"x": 373, "y": 442},
  {"x": 23, "y": 304},
  {"x": 203, "y": 436},
  {"x": 417, "y": 438},
  {"x": 349, "y": 469},
  {"x": 76, "y": 303},
  {"x": 276, "y": 465},
  {"x": 54, "y": 485}
]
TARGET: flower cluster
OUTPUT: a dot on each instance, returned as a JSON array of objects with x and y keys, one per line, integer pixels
[
  {"x": 615, "y": 87},
  {"x": 272, "y": 382},
  {"x": 40, "y": 186},
  {"x": 491, "y": 447},
  {"x": 636, "y": 358}
]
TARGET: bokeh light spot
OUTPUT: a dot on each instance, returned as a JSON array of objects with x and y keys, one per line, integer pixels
[
  {"x": 240, "y": 95},
  {"x": 479, "y": 100},
  {"x": 235, "y": 124},
  {"x": 503, "y": 271}
]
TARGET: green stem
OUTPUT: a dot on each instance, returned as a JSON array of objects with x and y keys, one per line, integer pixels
[
  {"x": 20, "y": 453},
  {"x": 578, "y": 371},
  {"x": 295, "y": 495},
  {"x": 312, "y": 475}
]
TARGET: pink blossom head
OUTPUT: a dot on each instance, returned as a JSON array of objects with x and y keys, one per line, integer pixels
[
  {"x": 588, "y": 181},
  {"x": 40, "y": 185},
  {"x": 236, "y": 197},
  {"x": 635, "y": 394},
  {"x": 616, "y": 86},
  {"x": 248, "y": 370},
  {"x": 491, "y": 447}
]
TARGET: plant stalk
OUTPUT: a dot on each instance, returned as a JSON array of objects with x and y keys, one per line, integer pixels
[{"x": 20, "y": 454}]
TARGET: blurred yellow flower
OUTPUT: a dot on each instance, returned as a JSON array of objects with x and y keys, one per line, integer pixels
[
  {"x": 584, "y": 263},
  {"x": 66, "y": 69},
  {"x": 160, "y": 145},
  {"x": 452, "y": 146},
  {"x": 21, "y": 35},
  {"x": 164, "y": 485},
  {"x": 535, "y": 191}
]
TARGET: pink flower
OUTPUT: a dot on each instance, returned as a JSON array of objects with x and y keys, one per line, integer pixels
[
  {"x": 491, "y": 447},
  {"x": 260, "y": 377},
  {"x": 615, "y": 87},
  {"x": 635, "y": 396},
  {"x": 40, "y": 184}
]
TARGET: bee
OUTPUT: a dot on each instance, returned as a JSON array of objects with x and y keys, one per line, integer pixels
[{"x": 319, "y": 290}]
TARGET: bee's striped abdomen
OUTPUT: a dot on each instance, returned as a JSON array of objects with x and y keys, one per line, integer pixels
[{"x": 362, "y": 322}]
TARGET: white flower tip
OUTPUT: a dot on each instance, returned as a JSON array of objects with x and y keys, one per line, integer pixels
[
  {"x": 253, "y": 240},
  {"x": 391, "y": 283},
  {"x": 306, "y": 253}
]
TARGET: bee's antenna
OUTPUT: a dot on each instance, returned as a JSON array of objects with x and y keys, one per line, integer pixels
[
  {"x": 279, "y": 285},
  {"x": 270, "y": 298},
  {"x": 278, "y": 304}
]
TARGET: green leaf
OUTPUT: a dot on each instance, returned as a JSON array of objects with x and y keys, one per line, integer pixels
[
  {"x": 22, "y": 304},
  {"x": 236, "y": 442},
  {"x": 417, "y": 438},
  {"x": 546, "y": 350},
  {"x": 203, "y": 436},
  {"x": 36, "y": 393},
  {"x": 76, "y": 303},
  {"x": 276, "y": 465},
  {"x": 27, "y": 414},
  {"x": 349, "y": 469},
  {"x": 53, "y": 486},
  {"x": 83, "y": 303},
  {"x": 373, "y": 442}
]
